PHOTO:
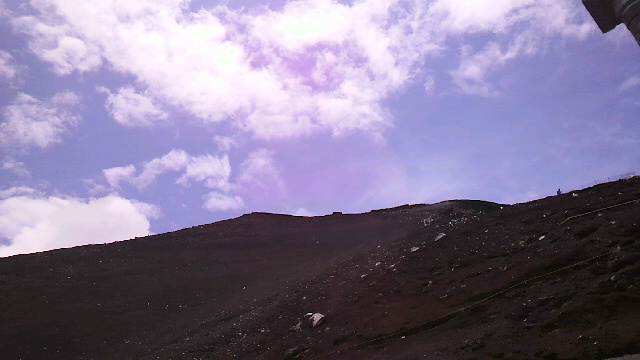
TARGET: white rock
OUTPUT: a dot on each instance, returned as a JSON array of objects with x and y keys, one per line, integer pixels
[{"x": 315, "y": 318}]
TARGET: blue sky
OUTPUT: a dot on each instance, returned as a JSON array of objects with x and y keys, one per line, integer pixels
[{"x": 121, "y": 118}]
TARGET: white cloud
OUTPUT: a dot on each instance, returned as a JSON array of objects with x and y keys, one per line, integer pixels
[
  {"x": 258, "y": 180},
  {"x": 129, "y": 108},
  {"x": 32, "y": 122},
  {"x": 304, "y": 24},
  {"x": 472, "y": 15},
  {"x": 116, "y": 175},
  {"x": 7, "y": 68},
  {"x": 518, "y": 28},
  {"x": 429, "y": 84},
  {"x": 213, "y": 172},
  {"x": 175, "y": 160},
  {"x": 629, "y": 84},
  {"x": 471, "y": 76},
  {"x": 50, "y": 39},
  {"x": 500, "y": 16},
  {"x": 94, "y": 187},
  {"x": 199, "y": 61},
  {"x": 258, "y": 177},
  {"x": 303, "y": 212},
  {"x": 312, "y": 66},
  {"x": 15, "y": 191},
  {"x": 225, "y": 143},
  {"x": 34, "y": 223},
  {"x": 215, "y": 201},
  {"x": 259, "y": 170},
  {"x": 15, "y": 166}
]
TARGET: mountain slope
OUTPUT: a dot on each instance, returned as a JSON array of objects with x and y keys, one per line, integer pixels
[
  {"x": 531, "y": 284},
  {"x": 125, "y": 299},
  {"x": 507, "y": 282}
]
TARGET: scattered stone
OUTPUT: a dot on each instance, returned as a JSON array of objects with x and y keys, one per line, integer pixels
[
  {"x": 294, "y": 353},
  {"x": 440, "y": 236},
  {"x": 627, "y": 357},
  {"x": 315, "y": 319},
  {"x": 297, "y": 327},
  {"x": 477, "y": 345},
  {"x": 414, "y": 249}
]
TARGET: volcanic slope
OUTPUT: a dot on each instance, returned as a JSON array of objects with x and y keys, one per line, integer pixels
[
  {"x": 127, "y": 299},
  {"x": 556, "y": 278}
]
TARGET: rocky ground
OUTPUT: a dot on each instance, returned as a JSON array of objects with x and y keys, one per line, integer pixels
[{"x": 557, "y": 278}]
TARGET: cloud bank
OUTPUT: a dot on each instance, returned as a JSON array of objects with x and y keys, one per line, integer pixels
[
  {"x": 32, "y": 222},
  {"x": 312, "y": 66}
]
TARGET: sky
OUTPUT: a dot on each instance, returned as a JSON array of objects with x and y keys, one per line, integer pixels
[{"x": 123, "y": 118}]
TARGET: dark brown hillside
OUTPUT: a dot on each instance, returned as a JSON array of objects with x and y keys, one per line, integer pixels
[
  {"x": 395, "y": 303},
  {"x": 124, "y": 300},
  {"x": 499, "y": 284}
]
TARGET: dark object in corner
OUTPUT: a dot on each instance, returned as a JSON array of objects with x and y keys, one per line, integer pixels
[{"x": 610, "y": 13}]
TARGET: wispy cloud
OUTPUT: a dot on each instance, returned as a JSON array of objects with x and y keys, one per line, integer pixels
[
  {"x": 216, "y": 201},
  {"x": 429, "y": 84},
  {"x": 303, "y": 212},
  {"x": 629, "y": 84},
  {"x": 257, "y": 178},
  {"x": 16, "y": 167},
  {"x": 8, "y": 68},
  {"x": 514, "y": 29},
  {"x": 51, "y": 41},
  {"x": 471, "y": 77},
  {"x": 119, "y": 174},
  {"x": 225, "y": 143},
  {"x": 132, "y": 109},
  {"x": 29, "y": 122},
  {"x": 259, "y": 170},
  {"x": 546, "y": 17},
  {"x": 213, "y": 172},
  {"x": 18, "y": 191}
]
